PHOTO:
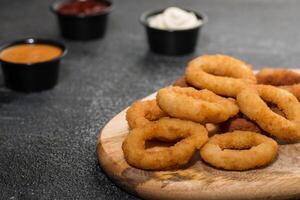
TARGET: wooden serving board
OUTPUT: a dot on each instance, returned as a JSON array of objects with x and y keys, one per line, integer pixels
[{"x": 280, "y": 180}]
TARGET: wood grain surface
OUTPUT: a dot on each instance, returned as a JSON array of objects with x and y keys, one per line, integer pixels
[{"x": 280, "y": 180}]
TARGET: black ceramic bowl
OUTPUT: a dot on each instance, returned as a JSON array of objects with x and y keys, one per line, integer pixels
[
  {"x": 82, "y": 27},
  {"x": 32, "y": 77},
  {"x": 171, "y": 42}
]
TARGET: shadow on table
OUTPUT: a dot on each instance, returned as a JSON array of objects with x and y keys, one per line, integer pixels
[{"x": 6, "y": 96}]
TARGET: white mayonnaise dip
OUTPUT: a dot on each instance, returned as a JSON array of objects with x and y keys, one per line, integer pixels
[{"x": 174, "y": 18}]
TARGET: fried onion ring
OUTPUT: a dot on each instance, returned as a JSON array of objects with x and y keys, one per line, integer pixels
[
  {"x": 283, "y": 78},
  {"x": 201, "y": 106},
  {"x": 241, "y": 122},
  {"x": 192, "y": 135},
  {"x": 277, "y": 77},
  {"x": 251, "y": 103},
  {"x": 141, "y": 113},
  {"x": 294, "y": 89},
  {"x": 239, "y": 150},
  {"x": 224, "y": 75}
]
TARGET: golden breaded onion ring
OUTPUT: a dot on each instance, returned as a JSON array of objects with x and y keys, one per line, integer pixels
[
  {"x": 294, "y": 89},
  {"x": 252, "y": 104},
  {"x": 201, "y": 106},
  {"x": 141, "y": 113},
  {"x": 239, "y": 150},
  {"x": 283, "y": 78},
  {"x": 224, "y": 75},
  {"x": 277, "y": 77},
  {"x": 192, "y": 135}
]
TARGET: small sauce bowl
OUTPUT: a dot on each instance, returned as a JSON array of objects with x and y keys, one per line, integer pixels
[
  {"x": 171, "y": 42},
  {"x": 27, "y": 67},
  {"x": 79, "y": 21}
]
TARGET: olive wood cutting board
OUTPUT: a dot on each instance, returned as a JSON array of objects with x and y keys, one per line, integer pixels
[{"x": 197, "y": 180}]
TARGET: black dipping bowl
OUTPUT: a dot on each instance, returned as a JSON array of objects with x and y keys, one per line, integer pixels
[
  {"x": 32, "y": 77},
  {"x": 82, "y": 27},
  {"x": 171, "y": 42}
]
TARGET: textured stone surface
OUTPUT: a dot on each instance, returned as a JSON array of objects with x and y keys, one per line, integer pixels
[{"x": 47, "y": 140}]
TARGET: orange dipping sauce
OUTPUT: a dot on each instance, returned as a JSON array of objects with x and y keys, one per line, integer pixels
[{"x": 30, "y": 53}]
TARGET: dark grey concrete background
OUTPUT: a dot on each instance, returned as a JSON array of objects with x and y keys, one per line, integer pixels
[{"x": 47, "y": 140}]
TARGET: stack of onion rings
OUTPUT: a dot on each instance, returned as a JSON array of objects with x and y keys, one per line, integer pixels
[
  {"x": 200, "y": 106},
  {"x": 257, "y": 108},
  {"x": 239, "y": 150},
  {"x": 221, "y": 74},
  {"x": 192, "y": 136}
]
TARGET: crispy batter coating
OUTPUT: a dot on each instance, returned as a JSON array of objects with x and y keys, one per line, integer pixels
[
  {"x": 201, "y": 106},
  {"x": 192, "y": 136},
  {"x": 241, "y": 122},
  {"x": 221, "y": 74},
  {"x": 294, "y": 89},
  {"x": 141, "y": 113},
  {"x": 252, "y": 103},
  {"x": 277, "y": 77},
  {"x": 239, "y": 150},
  {"x": 284, "y": 78}
]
